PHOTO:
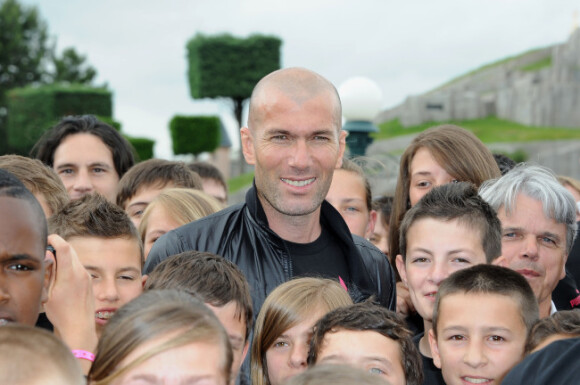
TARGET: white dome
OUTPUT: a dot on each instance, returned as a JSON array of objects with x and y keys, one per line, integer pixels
[{"x": 361, "y": 98}]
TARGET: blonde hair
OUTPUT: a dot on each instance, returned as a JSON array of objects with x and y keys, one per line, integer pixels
[
  {"x": 152, "y": 315},
  {"x": 286, "y": 306},
  {"x": 182, "y": 204},
  {"x": 566, "y": 180}
]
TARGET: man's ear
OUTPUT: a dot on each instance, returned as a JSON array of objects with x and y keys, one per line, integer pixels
[
  {"x": 500, "y": 261},
  {"x": 49, "y": 275},
  {"x": 401, "y": 268},
  {"x": 371, "y": 224},
  {"x": 247, "y": 145},
  {"x": 341, "y": 147},
  {"x": 434, "y": 349}
]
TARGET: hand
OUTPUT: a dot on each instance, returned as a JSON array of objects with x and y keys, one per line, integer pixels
[
  {"x": 404, "y": 303},
  {"x": 71, "y": 304}
]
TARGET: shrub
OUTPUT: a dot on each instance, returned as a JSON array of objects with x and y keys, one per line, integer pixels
[{"x": 194, "y": 134}]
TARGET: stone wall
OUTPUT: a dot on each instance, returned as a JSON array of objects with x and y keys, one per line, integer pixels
[{"x": 546, "y": 97}]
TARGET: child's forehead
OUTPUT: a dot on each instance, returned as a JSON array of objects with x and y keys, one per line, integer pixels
[
  {"x": 480, "y": 307},
  {"x": 427, "y": 231},
  {"x": 121, "y": 252}
]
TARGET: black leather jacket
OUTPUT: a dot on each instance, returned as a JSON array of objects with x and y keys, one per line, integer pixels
[{"x": 241, "y": 234}]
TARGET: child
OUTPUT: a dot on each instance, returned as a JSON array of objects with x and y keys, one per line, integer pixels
[
  {"x": 369, "y": 337},
  {"x": 481, "y": 319},
  {"x": 220, "y": 285},
  {"x": 144, "y": 181},
  {"x": 560, "y": 325},
  {"x": 109, "y": 248},
  {"x": 449, "y": 229},
  {"x": 33, "y": 356}
]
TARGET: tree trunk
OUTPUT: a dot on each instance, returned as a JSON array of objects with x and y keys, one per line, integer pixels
[{"x": 238, "y": 108}]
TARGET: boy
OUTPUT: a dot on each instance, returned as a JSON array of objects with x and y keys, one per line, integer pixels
[
  {"x": 369, "y": 337},
  {"x": 109, "y": 248},
  {"x": 449, "y": 229},
  {"x": 144, "y": 181},
  {"x": 212, "y": 179},
  {"x": 481, "y": 319},
  {"x": 217, "y": 282}
]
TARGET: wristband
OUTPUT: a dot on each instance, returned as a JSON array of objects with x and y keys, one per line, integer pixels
[{"x": 84, "y": 355}]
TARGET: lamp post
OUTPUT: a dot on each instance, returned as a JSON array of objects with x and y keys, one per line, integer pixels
[{"x": 361, "y": 102}]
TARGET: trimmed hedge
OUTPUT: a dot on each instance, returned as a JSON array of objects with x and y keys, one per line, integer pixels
[
  {"x": 33, "y": 110},
  {"x": 227, "y": 66},
  {"x": 194, "y": 134},
  {"x": 143, "y": 147}
]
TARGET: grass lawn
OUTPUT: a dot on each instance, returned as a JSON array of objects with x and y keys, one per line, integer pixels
[
  {"x": 489, "y": 130},
  {"x": 234, "y": 184}
]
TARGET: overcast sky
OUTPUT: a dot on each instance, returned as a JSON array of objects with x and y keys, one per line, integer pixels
[{"x": 406, "y": 47}]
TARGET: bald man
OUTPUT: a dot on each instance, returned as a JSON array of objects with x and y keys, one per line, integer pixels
[{"x": 285, "y": 229}]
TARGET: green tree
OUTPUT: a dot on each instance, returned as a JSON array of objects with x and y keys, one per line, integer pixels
[
  {"x": 224, "y": 66},
  {"x": 27, "y": 58},
  {"x": 71, "y": 67}
]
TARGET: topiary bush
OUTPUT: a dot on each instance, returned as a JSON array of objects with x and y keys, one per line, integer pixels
[{"x": 194, "y": 134}]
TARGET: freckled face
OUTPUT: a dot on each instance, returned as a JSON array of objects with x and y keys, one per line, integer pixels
[
  {"x": 348, "y": 196},
  {"x": 85, "y": 165},
  {"x": 295, "y": 147},
  {"x": 425, "y": 173}
]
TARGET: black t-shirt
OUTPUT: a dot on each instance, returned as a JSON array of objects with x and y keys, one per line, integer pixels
[
  {"x": 431, "y": 374},
  {"x": 321, "y": 258}
]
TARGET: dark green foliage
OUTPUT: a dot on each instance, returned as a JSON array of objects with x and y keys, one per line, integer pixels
[
  {"x": 143, "y": 147},
  {"x": 226, "y": 66},
  {"x": 25, "y": 55},
  {"x": 72, "y": 68},
  {"x": 33, "y": 110},
  {"x": 194, "y": 134}
]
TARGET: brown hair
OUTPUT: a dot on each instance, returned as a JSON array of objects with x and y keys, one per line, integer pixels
[
  {"x": 286, "y": 306},
  {"x": 29, "y": 354},
  {"x": 208, "y": 277},
  {"x": 93, "y": 216},
  {"x": 152, "y": 315},
  {"x": 461, "y": 202},
  {"x": 155, "y": 172},
  {"x": 455, "y": 149},
  {"x": 370, "y": 317},
  {"x": 336, "y": 375},
  {"x": 182, "y": 204},
  {"x": 561, "y": 322},
  {"x": 490, "y": 279},
  {"x": 38, "y": 178},
  {"x": 352, "y": 166}
]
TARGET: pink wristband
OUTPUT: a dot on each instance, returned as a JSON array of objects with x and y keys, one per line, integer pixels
[{"x": 84, "y": 355}]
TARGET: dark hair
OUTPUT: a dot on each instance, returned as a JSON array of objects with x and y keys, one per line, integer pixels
[
  {"x": 208, "y": 171},
  {"x": 369, "y": 317},
  {"x": 207, "y": 276},
  {"x": 490, "y": 279},
  {"x": 457, "y": 201},
  {"x": 561, "y": 322},
  {"x": 121, "y": 149},
  {"x": 153, "y": 315},
  {"x": 504, "y": 163},
  {"x": 11, "y": 186},
  {"x": 155, "y": 172},
  {"x": 457, "y": 150},
  {"x": 384, "y": 205},
  {"x": 94, "y": 216},
  {"x": 38, "y": 178}
]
